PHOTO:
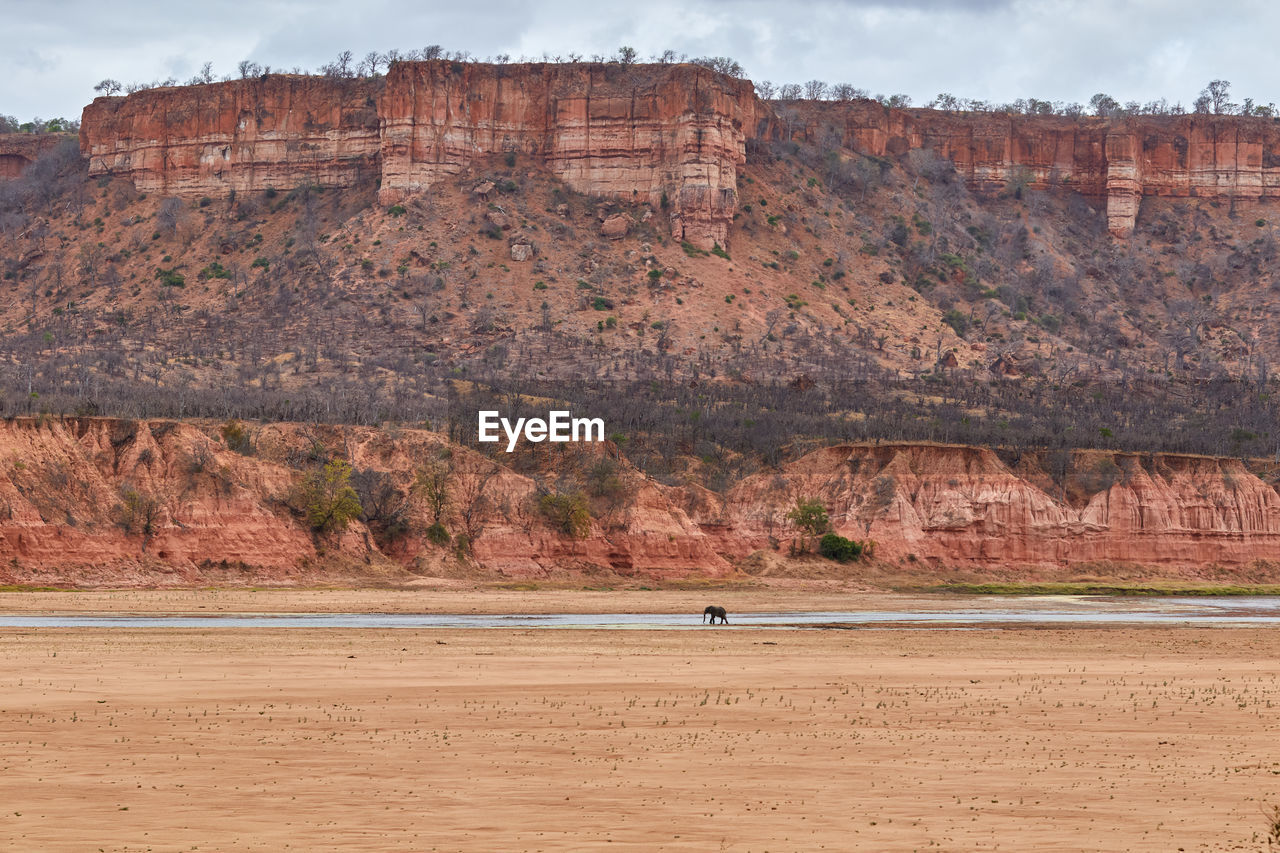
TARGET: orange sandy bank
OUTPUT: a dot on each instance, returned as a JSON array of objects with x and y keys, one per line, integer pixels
[{"x": 733, "y": 740}]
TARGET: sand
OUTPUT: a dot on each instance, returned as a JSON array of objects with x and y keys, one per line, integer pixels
[
  {"x": 745, "y": 740},
  {"x": 472, "y": 598}
]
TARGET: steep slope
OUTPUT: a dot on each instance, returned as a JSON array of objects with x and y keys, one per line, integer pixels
[{"x": 101, "y": 501}]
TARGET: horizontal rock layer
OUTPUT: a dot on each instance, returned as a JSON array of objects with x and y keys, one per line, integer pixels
[
  {"x": 20, "y": 150},
  {"x": 671, "y": 136},
  {"x": 97, "y": 500},
  {"x": 279, "y": 131},
  {"x": 965, "y": 506},
  {"x": 1113, "y": 161}
]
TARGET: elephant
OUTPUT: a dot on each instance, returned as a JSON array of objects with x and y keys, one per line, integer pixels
[{"x": 714, "y": 612}]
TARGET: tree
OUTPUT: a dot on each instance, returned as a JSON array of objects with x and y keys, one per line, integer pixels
[
  {"x": 789, "y": 92},
  {"x": 108, "y": 87},
  {"x": 815, "y": 90},
  {"x": 432, "y": 484},
  {"x": 766, "y": 90},
  {"x": 473, "y": 502},
  {"x": 384, "y": 506},
  {"x": 1104, "y": 105},
  {"x": 811, "y": 517},
  {"x": 1216, "y": 98},
  {"x": 328, "y": 500},
  {"x": 721, "y": 64},
  {"x": 626, "y": 55},
  {"x": 847, "y": 92},
  {"x": 568, "y": 513},
  {"x": 138, "y": 511}
]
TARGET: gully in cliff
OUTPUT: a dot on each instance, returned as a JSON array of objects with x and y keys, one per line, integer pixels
[{"x": 559, "y": 426}]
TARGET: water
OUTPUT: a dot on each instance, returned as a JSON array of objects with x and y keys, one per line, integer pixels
[{"x": 939, "y": 614}]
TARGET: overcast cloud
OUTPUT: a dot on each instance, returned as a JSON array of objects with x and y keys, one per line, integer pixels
[{"x": 999, "y": 50}]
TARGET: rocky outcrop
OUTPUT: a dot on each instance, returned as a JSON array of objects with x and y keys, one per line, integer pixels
[
  {"x": 965, "y": 506},
  {"x": 671, "y": 136},
  {"x": 101, "y": 501},
  {"x": 20, "y": 150},
  {"x": 1113, "y": 161},
  {"x": 275, "y": 132}
]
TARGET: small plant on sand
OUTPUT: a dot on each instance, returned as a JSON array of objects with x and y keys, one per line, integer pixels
[{"x": 1272, "y": 815}]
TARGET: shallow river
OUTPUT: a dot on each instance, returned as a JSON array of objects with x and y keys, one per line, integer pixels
[{"x": 1027, "y": 611}]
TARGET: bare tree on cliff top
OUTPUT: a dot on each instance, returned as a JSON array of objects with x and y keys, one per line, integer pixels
[
  {"x": 1216, "y": 98},
  {"x": 1104, "y": 105}
]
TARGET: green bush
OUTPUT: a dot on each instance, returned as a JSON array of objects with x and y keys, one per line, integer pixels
[
  {"x": 237, "y": 438},
  {"x": 328, "y": 500},
  {"x": 842, "y": 550},
  {"x": 171, "y": 277},
  {"x": 215, "y": 270},
  {"x": 396, "y": 210},
  {"x": 957, "y": 321},
  {"x": 568, "y": 513},
  {"x": 810, "y": 516},
  {"x": 437, "y": 534}
]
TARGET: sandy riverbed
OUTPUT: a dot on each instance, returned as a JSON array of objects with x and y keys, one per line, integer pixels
[
  {"x": 1103, "y": 739},
  {"x": 474, "y": 599}
]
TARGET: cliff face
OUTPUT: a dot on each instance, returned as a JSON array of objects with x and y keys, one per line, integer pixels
[
  {"x": 1113, "y": 161},
  {"x": 20, "y": 150},
  {"x": 960, "y": 505},
  {"x": 636, "y": 133},
  {"x": 278, "y": 131},
  {"x": 85, "y": 501},
  {"x": 96, "y": 500},
  {"x": 672, "y": 136}
]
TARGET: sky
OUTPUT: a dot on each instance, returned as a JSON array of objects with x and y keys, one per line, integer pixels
[{"x": 55, "y": 51}]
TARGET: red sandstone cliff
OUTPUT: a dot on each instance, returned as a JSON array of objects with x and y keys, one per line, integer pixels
[
  {"x": 278, "y": 131},
  {"x": 220, "y": 516},
  {"x": 1113, "y": 161},
  {"x": 20, "y": 150},
  {"x": 672, "y": 136},
  {"x": 961, "y": 505},
  {"x": 636, "y": 133}
]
